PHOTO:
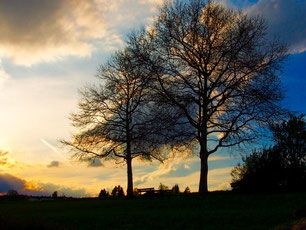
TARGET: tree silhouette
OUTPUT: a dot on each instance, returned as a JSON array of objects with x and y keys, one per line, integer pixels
[
  {"x": 176, "y": 189},
  {"x": 290, "y": 143},
  {"x": 187, "y": 190},
  {"x": 218, "y": 68},
  {"x": 162, "y": 187},
  {"x": 290, "y": 140},
  {"x": 116, "y": 119},
  {"x": 279, "y": 168},
  {"x": 103, "y": 193},
  {"x": 54, "y": 195},
  {"x": 117, "y": 191},
  {"x": 261, "y": 171}
]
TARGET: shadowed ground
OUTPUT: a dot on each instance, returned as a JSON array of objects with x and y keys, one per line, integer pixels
[{"x": 218, "y": 210}]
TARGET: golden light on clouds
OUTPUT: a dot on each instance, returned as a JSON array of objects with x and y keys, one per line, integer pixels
[
  {"x": 81, "y": 179},
  {"x": 43, "y": 30}
]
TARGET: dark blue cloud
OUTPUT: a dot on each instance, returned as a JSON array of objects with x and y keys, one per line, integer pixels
[
  {"x": 9, "y": 182},
  {"x": 286, "y": 20}
]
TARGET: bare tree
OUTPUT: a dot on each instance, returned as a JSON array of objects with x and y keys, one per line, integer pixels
[
  {"x": 217, "y": 66},
  {"x": 116, "y": 119}
]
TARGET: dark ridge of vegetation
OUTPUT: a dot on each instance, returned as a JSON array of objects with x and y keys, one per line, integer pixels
[{"x": 215, "y": 210}]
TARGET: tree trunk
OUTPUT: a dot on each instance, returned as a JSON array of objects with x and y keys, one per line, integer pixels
[
  {"x": 129, "y": 177},
  {"x": 129, "y": 153},
  {"x": 203, "y": 188}
]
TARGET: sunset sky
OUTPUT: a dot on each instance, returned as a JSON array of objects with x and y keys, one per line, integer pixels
[{"x": 51, "y": 48}]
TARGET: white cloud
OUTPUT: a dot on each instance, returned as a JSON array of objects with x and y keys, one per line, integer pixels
[
  {"x": 43, "y": 30},
  {"x": 163, "y": 169},
  {"x": 223, "y": 186},
  {"x": 181, "y": 169},
  {"x": 3, "y": 74},
  {"x": 218, "y": 179},
  {"x": 218, "y": 158}
]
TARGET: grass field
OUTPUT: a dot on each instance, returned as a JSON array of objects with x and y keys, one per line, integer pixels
[{"x": 218, "y": 210}]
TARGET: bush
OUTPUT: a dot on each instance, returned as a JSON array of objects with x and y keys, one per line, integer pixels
[
  {"x": 261, "y": 171},
  {"x": 12, "y": 193},
  {"x": 176, "y": 189},
  {"x": 278, "y": 168},
  {"x": 103, "y": 193},
  {"x": 162, "y": 187},
  {"x": 54, "y": 195},
  {"x": 187, "y": 190},
  {"x": 135, "y": 192},
  {"x": 117, "y": 191}
]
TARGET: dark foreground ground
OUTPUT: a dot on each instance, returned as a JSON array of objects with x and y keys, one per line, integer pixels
[{"x": 218, "y": 210}]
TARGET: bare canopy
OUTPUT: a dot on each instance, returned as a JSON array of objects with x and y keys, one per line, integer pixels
[
  {"x": 216, "y": 66},
  {"x": 115, "y": 119}
]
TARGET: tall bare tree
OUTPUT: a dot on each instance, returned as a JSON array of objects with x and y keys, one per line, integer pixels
[
  {"x": 217, "y": 66},
  {"x": 115, "y": 119}
]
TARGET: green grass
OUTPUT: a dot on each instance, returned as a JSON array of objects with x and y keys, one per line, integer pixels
[{"x": 219, "y": 210}]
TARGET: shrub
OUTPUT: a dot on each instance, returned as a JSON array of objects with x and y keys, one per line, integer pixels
[
  {"x": 176, "y": 189},
  {"x": 12, "y": 193},
  {"x": 162, "y": 187},
  {"x": 135, "y": 192},
  {"x": 54, "y": 195},
  {"x": 117, "y": 191},
  {"x": 103, "y": 193},
  {"x": 187, "y": 190}
]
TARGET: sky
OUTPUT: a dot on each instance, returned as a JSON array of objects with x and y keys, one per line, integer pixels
[{"x": 49, "y": 49}]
